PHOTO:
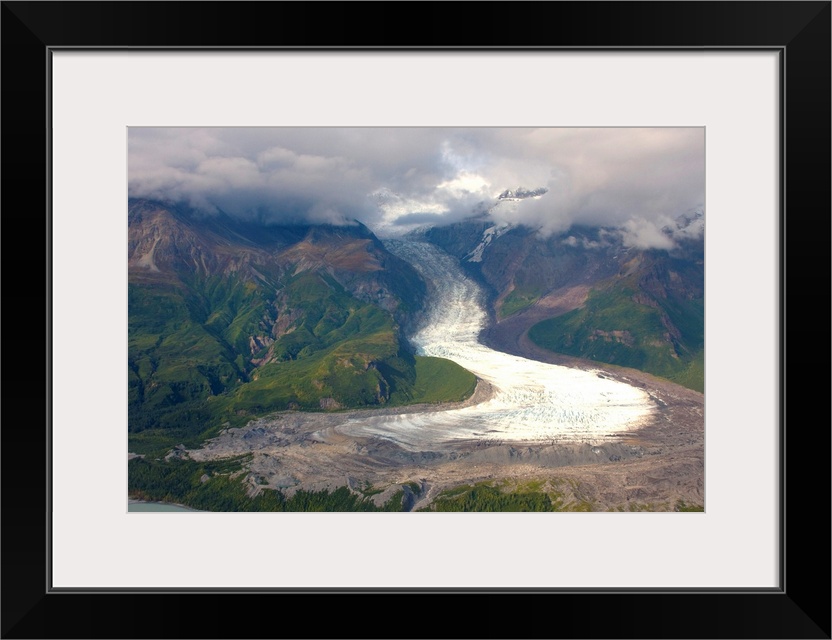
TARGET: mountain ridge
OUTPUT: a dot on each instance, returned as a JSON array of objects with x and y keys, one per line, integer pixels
[
  {"x": 585, "y": 293},
  {"x": 230, "y": 319}
]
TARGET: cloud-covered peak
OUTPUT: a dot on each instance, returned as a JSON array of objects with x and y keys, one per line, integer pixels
[{"x": 395, "y": 179}]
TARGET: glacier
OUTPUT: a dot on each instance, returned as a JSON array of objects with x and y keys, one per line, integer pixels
[{"x": 531, "y": 401}]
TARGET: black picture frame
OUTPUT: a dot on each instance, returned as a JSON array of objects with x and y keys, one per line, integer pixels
[{"x": 799, "y": 31}]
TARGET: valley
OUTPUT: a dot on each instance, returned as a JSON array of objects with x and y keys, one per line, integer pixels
[
  {"x": 416, "y": 318},
  {"x": 586, "y": 293},
  {"x": 581, "y": 436}
]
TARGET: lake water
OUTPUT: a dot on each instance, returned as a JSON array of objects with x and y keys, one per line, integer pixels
[{"x": 155, "y": 506}]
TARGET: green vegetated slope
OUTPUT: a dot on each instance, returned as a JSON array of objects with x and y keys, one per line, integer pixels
[
  {"x": 218, "y": 486},
  {"x": 486, "y": 497},
  {"x": 225, "y": 485},
  {"x": 550, "y": 494},
  {"x": 660, "y": 336},
  {"x": 517, "y": 300},
  {"x": 435, "y": 380},
  {"x": 221, "y": 329},
  {"x": 345, "y": 353},
  {"x": 181, "y": 349}
]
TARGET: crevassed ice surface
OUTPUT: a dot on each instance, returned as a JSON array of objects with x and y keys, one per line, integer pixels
[{"x": 532, "y": 401}]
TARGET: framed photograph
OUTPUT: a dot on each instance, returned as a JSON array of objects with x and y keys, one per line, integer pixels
[
  {"x": 105, "y": 102},
  {"x": 334, "y": 318}
]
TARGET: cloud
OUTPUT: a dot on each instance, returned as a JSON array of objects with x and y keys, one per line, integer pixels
[
  {"x": 644, "y": 234},
  {"x": 394, "y": 179}
]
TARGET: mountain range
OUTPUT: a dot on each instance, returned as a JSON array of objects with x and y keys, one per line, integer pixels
[
  {"x": 586, "y": 293},
  {"x": 229, "y": 318},
  {"x": 232, "y": 318}
]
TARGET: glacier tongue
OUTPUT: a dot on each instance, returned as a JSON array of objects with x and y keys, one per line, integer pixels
[{"x": 532, "y": 401}]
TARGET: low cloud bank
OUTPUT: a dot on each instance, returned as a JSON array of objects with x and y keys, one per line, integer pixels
[{"x": 393, "y": 180}]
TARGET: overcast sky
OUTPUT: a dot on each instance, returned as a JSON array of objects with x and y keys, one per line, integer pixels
[{"x": 395, "y": 179}]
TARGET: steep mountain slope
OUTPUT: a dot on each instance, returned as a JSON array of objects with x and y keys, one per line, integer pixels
[
  {"x": 229, "y": 319},
  {"x": 585, "y": 293}
]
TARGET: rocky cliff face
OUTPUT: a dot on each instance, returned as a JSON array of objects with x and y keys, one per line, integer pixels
[{"x": 169, "y": 243}]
